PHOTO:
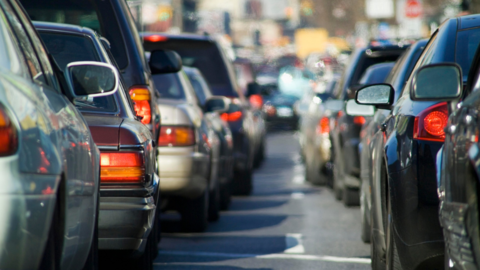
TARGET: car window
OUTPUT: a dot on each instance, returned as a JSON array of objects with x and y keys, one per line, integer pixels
[
  {"x": 67, "y": 48},
  {"x": 467, "y": 44},
  {"x": 97, "y": 15},
  {"x": 197, "y": 86},
  {"x": 33, "y": 63},
  {"x": 375, "y": 75},
  {"x": 188, "y": 88},
  {"x": 169, "y": 86}
]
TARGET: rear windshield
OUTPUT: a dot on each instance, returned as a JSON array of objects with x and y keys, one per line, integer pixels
[
  {"x": 367, "y": 61},
  {"x": 375, "y": 75},
  {"x": 97, "y": 15},
  {"x": 169, "y": 86},
  {"x": 67, "y": 48},
  {"x": 467, "y": 44},
  {"x": 203, "y": 55}
]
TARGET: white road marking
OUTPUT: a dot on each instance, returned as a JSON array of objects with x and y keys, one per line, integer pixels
[
  {"x": 298, "y": 195},
  {"x": 293, "y": 242},
  {"x": 298, "y": 179},
  {"x": 266, "y": 256}
]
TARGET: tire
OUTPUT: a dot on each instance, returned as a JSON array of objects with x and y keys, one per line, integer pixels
[
  {"x": 350, "y": 196},
  {"x": 393, "y": 260},
  {"x": 259, "y": 156},
  {"x": 214, "y": 204},
  {"x": 336, "y": 185},
  {"x": 242, "y": 184},
  {"x": 92, "y": 259},
  {"x": 314, "y": 175},
  {"x": 365, "y": 223},
  {"x": 195, "y": 213},
  {"x": 225, "y": 196}
]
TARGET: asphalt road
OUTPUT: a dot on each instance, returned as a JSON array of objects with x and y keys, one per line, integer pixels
[{"x": 285, "y": 224}]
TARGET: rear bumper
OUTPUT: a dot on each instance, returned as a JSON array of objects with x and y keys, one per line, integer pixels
[{"x": 183, "y": 172}]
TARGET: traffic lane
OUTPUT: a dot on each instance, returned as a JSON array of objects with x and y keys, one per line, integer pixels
[{"x": 284, "y": 224}]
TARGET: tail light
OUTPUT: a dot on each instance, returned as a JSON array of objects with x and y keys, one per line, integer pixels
[
  {"x": 140, "y": 96},
  {"x": 122, "y": 167},
  {"x": 231, "y": 117},
  {"x": 256, "y": 101},
  {"x": 155, "y": 38},
  {"x": 8, "y": 135},
  {"x": 323, "y": 126},
  {"x": 176, "y": 136},
  {"x": 359, "y": 120},
  {"x": 429, "y": 125}
]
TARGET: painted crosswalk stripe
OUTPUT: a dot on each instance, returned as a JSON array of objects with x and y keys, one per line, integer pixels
[{"x": 293, "y": 243}]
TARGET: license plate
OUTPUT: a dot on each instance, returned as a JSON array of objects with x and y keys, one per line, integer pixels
[{"x": 284, "y": 112}]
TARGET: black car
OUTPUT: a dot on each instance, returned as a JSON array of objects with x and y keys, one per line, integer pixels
[
  {"x": 225, "y": 171},
  {"x": 406, "y": 231},
  {"x": 458, "y": 170},
  {"x": 113, "y": 20},
  {"x": 205, "y": 54},
  {"x": 346, "y": 132},
  {"x": 397, "y": 77},
  {"x": 280, "y": 111}
]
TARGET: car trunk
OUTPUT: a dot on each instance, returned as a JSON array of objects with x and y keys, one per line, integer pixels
[{"x": 104, "y": 129}]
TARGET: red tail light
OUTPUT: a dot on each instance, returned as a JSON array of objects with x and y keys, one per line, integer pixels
[
  {"x": 140, "y": 96},
  {"x": 256, "y": 101},
  {"x": 429, "y": 125},
  {"x": 176, "y": 136},
  {"x": 8, "y": 135},
  {"x": 359, "y": 120},
  {"x": 323, "y": 126},
  {"x": 231, "y": 117},
  {"x": 155, "y": 38},
  {"x": 122, "y": 167}
]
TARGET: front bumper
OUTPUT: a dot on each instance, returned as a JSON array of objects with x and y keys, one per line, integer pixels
[{"x": 183, "y": 171}]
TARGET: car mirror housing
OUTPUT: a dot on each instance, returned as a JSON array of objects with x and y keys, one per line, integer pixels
[
  {"x": 91, "y": 79},
  {"x": 164, "y": 61},
  {"x": 379, "y": 95},
  {"x": 437, "y": 82},
  {"x": 355, "y": 109},
  {"x": 217, "y": 104}
]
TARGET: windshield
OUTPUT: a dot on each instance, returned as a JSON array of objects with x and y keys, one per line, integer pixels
[
  {"x": 467, "y": 44},
  {"x": 66, "y": 48},
  {"x": 169, "y": 86}
]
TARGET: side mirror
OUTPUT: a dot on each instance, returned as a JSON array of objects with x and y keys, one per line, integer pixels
[
  {"x": 91, "y": 79},
  {"x": 217, "y": 104},
  {"x": 437, "y": 82},
  {"x": 164, "y": 61},
  {"x": 354, "y": 109},
  {"x": 379, "y": 95},
  {"x": 334, "y": 105},
  {"x": 253, "y": 88}
]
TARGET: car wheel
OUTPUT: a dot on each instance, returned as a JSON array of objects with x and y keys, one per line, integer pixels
[
  {"x": 195, "y": 213},
  {"x": 92, "y": 259},
  {"x": 243, "y": 183},
  {"x": 214, "y": 204},
  {"x": 314, "y": 175},
  {"x": 337, "y": 190},
  {"x": 259, "y": 156},
  {"x": 350, "y": 196},
  {"x": 393, "y": 260},
  {"x": 365, "y": 223},
  {"x": 225, "y": 196}
]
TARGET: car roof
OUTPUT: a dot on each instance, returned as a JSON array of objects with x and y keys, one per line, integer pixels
[
  {"x": 63, "y": 27},
  {"x": 468, "y": 21}
]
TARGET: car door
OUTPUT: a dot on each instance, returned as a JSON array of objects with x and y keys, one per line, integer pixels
[{"x": 79, "y": 153}]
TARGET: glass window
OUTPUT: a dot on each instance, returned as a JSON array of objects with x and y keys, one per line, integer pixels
[
  {"x": 169, "y": 86},
  {"x": 66, "y": 48},
  {"x": 9, "y": 50},
  {"x": 31, "y": 57},
  {"x": 97, "y": 15},
  {"x": 467, "y": 44},
  {"x": 197, "y": 86}
]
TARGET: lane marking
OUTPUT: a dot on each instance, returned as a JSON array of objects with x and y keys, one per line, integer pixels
[
  {"x": 298, "y": 179},
  {"x": 298, "y": 195},
  {"x": 293, "y": 242},
  {"x": 266, "y": 256}
]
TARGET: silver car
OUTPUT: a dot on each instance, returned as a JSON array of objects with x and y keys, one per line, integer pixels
[
  {"x": 188, "y": 152},
  {"x": 49, "y": 162}
]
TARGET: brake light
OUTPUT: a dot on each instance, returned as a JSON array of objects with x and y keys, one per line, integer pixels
[
  {"x": 231, "y": 117},
  {"x": 176, "y": 136},
  {"x": 140, "y": 96},
  {"x": 8, "y": 135},
  {"x": 155, "y": 38},
  {"x": 256, "y": 101},
  {"x": 359, "y": 120},
  {"x": 323, "y": 126},
  {"x": 429, "y": 125},
  {"x": 122, "y": 167}
]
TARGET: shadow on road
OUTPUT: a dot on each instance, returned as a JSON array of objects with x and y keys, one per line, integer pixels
[
  {"x": 201, "y": 267},
  {"x": 243, "y": 205}
]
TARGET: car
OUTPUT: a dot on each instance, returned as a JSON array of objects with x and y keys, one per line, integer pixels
[
  {"x": 188, "y": 152},
  {"x": 131, "y": 193},
  {"x": 215, "y": 122},
  {"x": 457, "y": 165},
  {"x": 405, "y": 205},
  {"x": 111, "y": 19},
  {"x": 279, "y": 110},
  {"x": 346, "y": 132},
  {"x": 50, "y": 163},
  {"x": 204, "y": 52},
  {"x": 397, "y": 78}
]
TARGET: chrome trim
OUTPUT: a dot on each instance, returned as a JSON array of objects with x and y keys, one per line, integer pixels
[
  {"x": 107, "y": 147},
  {"x": 132, "y": 146}
]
